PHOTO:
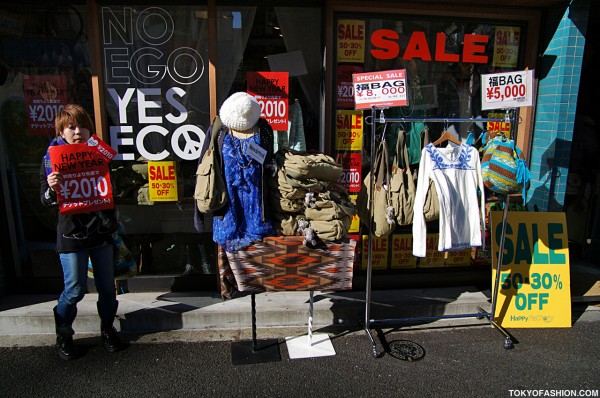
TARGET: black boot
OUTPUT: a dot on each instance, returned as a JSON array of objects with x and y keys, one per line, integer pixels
[
  {"x": 110, "y": 338},
  {"x": 64, "y": 339},
  {"x": 66, "y": 348}
]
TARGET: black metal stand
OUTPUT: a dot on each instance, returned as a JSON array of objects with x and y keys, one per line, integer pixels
[
  {"x": 368, "y": 322},
  {"x": 254, "y": 351}
]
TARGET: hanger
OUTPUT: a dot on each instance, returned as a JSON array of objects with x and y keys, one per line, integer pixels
[{"x": 446, "y": 136}]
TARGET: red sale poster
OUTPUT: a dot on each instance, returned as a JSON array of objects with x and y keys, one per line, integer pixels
[
  {"x": 44, "y": 97},
  {"x": 351, "y": 177},
  {"x": 85, "y": 185},
  {"x": 344, "y": 85},
  {"x": 271, "y": 89}
]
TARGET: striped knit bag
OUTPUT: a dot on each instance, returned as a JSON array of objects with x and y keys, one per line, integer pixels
[{"x": 503, "y": 167}]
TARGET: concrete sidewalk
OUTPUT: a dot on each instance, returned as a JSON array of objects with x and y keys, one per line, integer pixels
[
  {"x": 156, "y": 312},
  {"x": 276, "y": 312}
]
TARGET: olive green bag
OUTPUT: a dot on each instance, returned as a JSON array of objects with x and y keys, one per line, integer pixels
[
  {"x": 210, "y": 192},
  {"x": 309, "y": 165},
  {"x": 383, "y": 211},
  {"x": 403, "y": 183}
]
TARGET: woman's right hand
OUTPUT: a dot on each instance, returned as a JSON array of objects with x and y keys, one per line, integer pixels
[{"x": 54, "y": 179}]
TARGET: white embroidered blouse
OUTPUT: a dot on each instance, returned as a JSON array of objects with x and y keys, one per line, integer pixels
[{"x": 456, "y": 173}]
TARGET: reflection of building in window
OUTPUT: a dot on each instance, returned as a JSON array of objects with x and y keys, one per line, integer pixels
[{"x": 423, "y": 97}]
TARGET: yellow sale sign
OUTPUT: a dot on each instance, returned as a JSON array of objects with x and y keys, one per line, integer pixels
[
  {"x": 162, "y": 181},
  {"x": 402, "y": 256},
  {"x": 349, "y": 130},
  {"x": 379, "y": 252},
  {"x": 355, "y": 225},
  {"x": 534, "y": 286},
  {"x": 351, "y": 41}
]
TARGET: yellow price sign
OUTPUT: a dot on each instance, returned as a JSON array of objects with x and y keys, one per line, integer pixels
[
  {"x": 162, "y": 181},
  {"x": 349, "y": 130},
  {"x": 355, "y": 224},
  {"x": 534, "y": 286},
  {"x": 402, "y": 256},
  {"x": 379, "y": 252}
]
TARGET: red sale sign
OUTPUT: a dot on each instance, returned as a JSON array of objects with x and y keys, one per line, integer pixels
[
  {"x": 351, "y": 177},
  {"x": 344, "y": 87},
  {"x": 44, "y": 97},
  {"x": 85, "y": 185},
  {"x": 271, "y": 89}
]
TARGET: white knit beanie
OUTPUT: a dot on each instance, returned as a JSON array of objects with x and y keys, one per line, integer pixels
[{"x": 240, "y": 111}]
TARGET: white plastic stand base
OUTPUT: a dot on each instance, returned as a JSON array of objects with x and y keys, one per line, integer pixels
[{"x": 301, "y": 346}]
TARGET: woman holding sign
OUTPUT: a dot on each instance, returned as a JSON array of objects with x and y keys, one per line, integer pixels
[{"x": 80, "y": 236}]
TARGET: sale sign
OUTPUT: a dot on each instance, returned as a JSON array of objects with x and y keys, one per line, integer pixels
[
  {"x": 351, "y": 177},
  {"x": 344, "y": 87},
  {"x": 534, "y": 286},
  {"x": 45, "y": 95},
  {"x": 506, "y": 46},
  {"x": 433, "y": 258},
  {"x": 501, "y": 127},
  {"x": 271, "y": 89},
  {"x": 380, "y": 89},
  {"x": 349, "y": 130},
  {"x": 351, "y": 41},
  {"x": 507, "y": 90},
  {"x": 85, "y": 185},
  {"x": 162, "y": 181},
  {"x": 355, "y": 223},
  {"x": 402, "y": 256},
  {"x": 379, "y": 252}
]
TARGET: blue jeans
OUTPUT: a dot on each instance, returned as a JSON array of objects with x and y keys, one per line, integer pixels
[{"x": 75, "y": 266}]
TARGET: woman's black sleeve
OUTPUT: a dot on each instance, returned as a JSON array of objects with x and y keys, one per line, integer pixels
[{"x": 47, "y": 196}]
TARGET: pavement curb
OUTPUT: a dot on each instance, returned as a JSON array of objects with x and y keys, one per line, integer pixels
[{"x": 165, "y": 311}]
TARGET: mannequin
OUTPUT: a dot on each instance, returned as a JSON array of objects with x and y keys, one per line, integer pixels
[{"x": 246, "y": 148}]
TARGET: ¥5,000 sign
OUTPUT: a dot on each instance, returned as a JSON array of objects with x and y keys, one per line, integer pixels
[{"x": 535, "y": 282}]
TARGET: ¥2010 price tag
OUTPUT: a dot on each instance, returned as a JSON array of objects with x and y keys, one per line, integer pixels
[
  {"x": 83, "y": 186},
  {"x": 506, "y": 90},
  {"x": 534, "y": 285}
]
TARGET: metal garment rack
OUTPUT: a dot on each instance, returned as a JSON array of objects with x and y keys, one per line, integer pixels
[{"x": 368, "y": 322}]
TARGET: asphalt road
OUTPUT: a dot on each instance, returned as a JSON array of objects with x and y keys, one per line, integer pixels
[{"x": 467, "y": 361}]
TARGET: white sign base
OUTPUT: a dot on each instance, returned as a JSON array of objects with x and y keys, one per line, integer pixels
[{"x": 305, "y": 346}]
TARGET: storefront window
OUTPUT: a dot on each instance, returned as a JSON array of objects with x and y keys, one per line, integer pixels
[
  {"x": 155, "y": 65},
  {"x": 44, "y": 64},
  {"x": 270, "y": 39},
  {"x": 443, "y": 60}
]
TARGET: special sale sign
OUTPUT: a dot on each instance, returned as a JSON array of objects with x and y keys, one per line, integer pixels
[
  {"x": 271, "y": 90},
  {"x": 85, "y": 185},
  {"x": 382, "y": 89}
]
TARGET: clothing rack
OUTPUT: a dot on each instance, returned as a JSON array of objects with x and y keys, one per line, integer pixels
[{"x": 368, "y": 322}]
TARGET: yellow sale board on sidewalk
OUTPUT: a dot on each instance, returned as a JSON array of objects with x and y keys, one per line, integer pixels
[{"x": 534, "y": 286}]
